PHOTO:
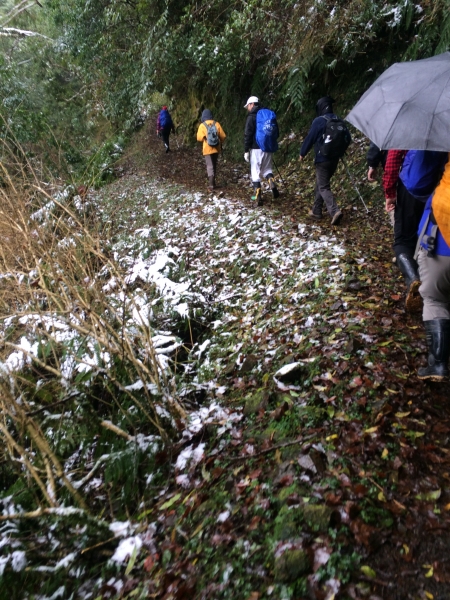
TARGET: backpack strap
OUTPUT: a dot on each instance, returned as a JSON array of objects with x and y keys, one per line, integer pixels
[{"x": 429, "y": 240}]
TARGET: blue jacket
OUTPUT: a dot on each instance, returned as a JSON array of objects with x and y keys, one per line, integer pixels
[{"x": 315, "y": 135}]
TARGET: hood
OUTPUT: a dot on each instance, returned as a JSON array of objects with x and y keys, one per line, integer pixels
[
  {"x": 324, "y": 106},
  {"x": 207, "y": 115}
]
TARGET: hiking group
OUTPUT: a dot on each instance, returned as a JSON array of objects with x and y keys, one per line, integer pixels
[
  {"x": 416, "y": 184},
  {"x": 328, "y": 134}
]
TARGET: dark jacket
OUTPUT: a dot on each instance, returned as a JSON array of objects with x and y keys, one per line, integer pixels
[
  {"x": 315, "y": 136},
  {"x": 375, "y": 157},
  {"x": 250, "y": 130}
]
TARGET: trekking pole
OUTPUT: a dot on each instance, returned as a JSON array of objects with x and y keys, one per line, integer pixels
[
  {"x": 281, "y": 179},
  {"x": 354, "y": 185}
]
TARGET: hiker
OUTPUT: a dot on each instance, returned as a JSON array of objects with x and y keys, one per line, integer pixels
[
  {"x": 164, "y": 127},
  {"x": 404, "y": 198},
  {"x": 325, "y": 162},
  {"x": 260, "y": 142},
  {"x": 212, "y": 135},
  {"x": 376, "y": 158},
  {"x": 433, "y": 257}
]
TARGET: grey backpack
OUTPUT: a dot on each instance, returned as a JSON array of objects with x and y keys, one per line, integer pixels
[{"x": 212, "y": 135}]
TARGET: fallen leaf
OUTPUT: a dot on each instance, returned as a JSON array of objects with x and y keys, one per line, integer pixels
[
  {"x": 435, "y": 495},
  {"x": 149, "y": 563},
  {"x": 170, "y": 502},
  {"x": 368, "y": 572},
  {"x": 206, "y": 476},
  {"x": 371, "y": 429}
]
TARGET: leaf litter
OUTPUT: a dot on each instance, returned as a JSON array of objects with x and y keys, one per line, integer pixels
[{"x": 310, "y": 462}]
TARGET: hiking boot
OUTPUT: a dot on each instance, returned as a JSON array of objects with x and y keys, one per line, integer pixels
[
  {"x": 212, "y": 182},
  {"x": 414, "y": 301},
  {"x": 410, "y": 272},
  {"x": 273, "y": 187},
  {"x": 438, "y": 341},
  {"x": 258, "y": 197},
  {"x": 167, "y": 148},
  {"x": 314, "y": 216},
  {"x": 336, "y": 219}
]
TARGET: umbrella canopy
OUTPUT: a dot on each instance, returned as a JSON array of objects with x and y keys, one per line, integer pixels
[{"x": 408, "y": 106}]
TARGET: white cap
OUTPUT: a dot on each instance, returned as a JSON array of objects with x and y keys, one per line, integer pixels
[{"x": 251, "y": 100}]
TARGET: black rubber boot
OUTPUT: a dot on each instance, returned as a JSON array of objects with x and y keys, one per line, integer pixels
[
  {"x": 272, "y": 185},
  {"x": 438, "y": 340},
  {"x": 410, "y": 272},
  {"x": 257, "y": 195}
]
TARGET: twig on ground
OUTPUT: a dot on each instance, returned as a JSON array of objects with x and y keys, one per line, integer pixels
[{"x": 267, "y": 450}]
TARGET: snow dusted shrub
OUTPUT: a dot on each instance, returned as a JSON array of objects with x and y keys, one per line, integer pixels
[{"x": 81, "y": 369}]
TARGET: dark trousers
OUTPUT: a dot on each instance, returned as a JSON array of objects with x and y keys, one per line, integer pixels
[
  {"x": 211, "y": 163},
  {"x": 165, "y": 133},
  {"x": 322, "y": 192},
  {"x": 408, "y": 212}
]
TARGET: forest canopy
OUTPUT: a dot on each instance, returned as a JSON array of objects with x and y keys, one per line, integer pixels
[{"x": 73, "y": 72}]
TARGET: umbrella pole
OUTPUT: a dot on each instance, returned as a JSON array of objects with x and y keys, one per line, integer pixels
[{"x": 354, "y": 185}]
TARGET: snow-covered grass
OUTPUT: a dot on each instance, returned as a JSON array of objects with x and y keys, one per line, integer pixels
[{"x": 139, "y": 300}]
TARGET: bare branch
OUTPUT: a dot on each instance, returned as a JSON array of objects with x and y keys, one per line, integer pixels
[{"x": 14, "y": 32}]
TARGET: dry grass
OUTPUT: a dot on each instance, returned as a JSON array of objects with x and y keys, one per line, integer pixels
[{"x": 49, "y": 270}]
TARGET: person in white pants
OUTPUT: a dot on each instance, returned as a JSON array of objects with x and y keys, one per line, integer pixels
[{"x": 260, "y": 162}]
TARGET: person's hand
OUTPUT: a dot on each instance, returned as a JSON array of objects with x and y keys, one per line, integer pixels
[
  {"x": 390, "y": 204},
  {"x": 247, "y": 157},
  {"x": 372, "y": 174}
]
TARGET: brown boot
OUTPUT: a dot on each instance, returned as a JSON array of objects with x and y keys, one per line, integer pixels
[{"x": 410, "y": 272}]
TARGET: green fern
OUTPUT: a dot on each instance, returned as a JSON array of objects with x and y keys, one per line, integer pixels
[{"x": 296, "y": 87}]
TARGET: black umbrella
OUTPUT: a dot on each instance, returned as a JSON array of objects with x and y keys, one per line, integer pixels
[{"x": 408, "y": 106}]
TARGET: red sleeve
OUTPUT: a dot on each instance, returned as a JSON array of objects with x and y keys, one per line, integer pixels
[{"x": 392, "y": 168}]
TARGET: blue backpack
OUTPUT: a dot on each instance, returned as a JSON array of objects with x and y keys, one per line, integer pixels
[
  {"x": 165, "y": 120},
  {"x": 266, "y": 130},
  {"x": 422, "y": 171}
]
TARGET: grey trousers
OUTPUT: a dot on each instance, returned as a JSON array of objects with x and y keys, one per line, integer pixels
[
  {"x": 434, "y": 275},
  {"x": 211, "y": 163},
  {"x": 322, "y": 192}
]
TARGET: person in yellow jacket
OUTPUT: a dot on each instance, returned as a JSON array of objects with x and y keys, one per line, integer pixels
[{"x": 212, "y": 135}]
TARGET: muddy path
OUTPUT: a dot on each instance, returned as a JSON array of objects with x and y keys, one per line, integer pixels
[{"x": 391, "y": 454}]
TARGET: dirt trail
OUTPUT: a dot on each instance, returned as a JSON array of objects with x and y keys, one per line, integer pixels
[{"x": 403, "y": 532}]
